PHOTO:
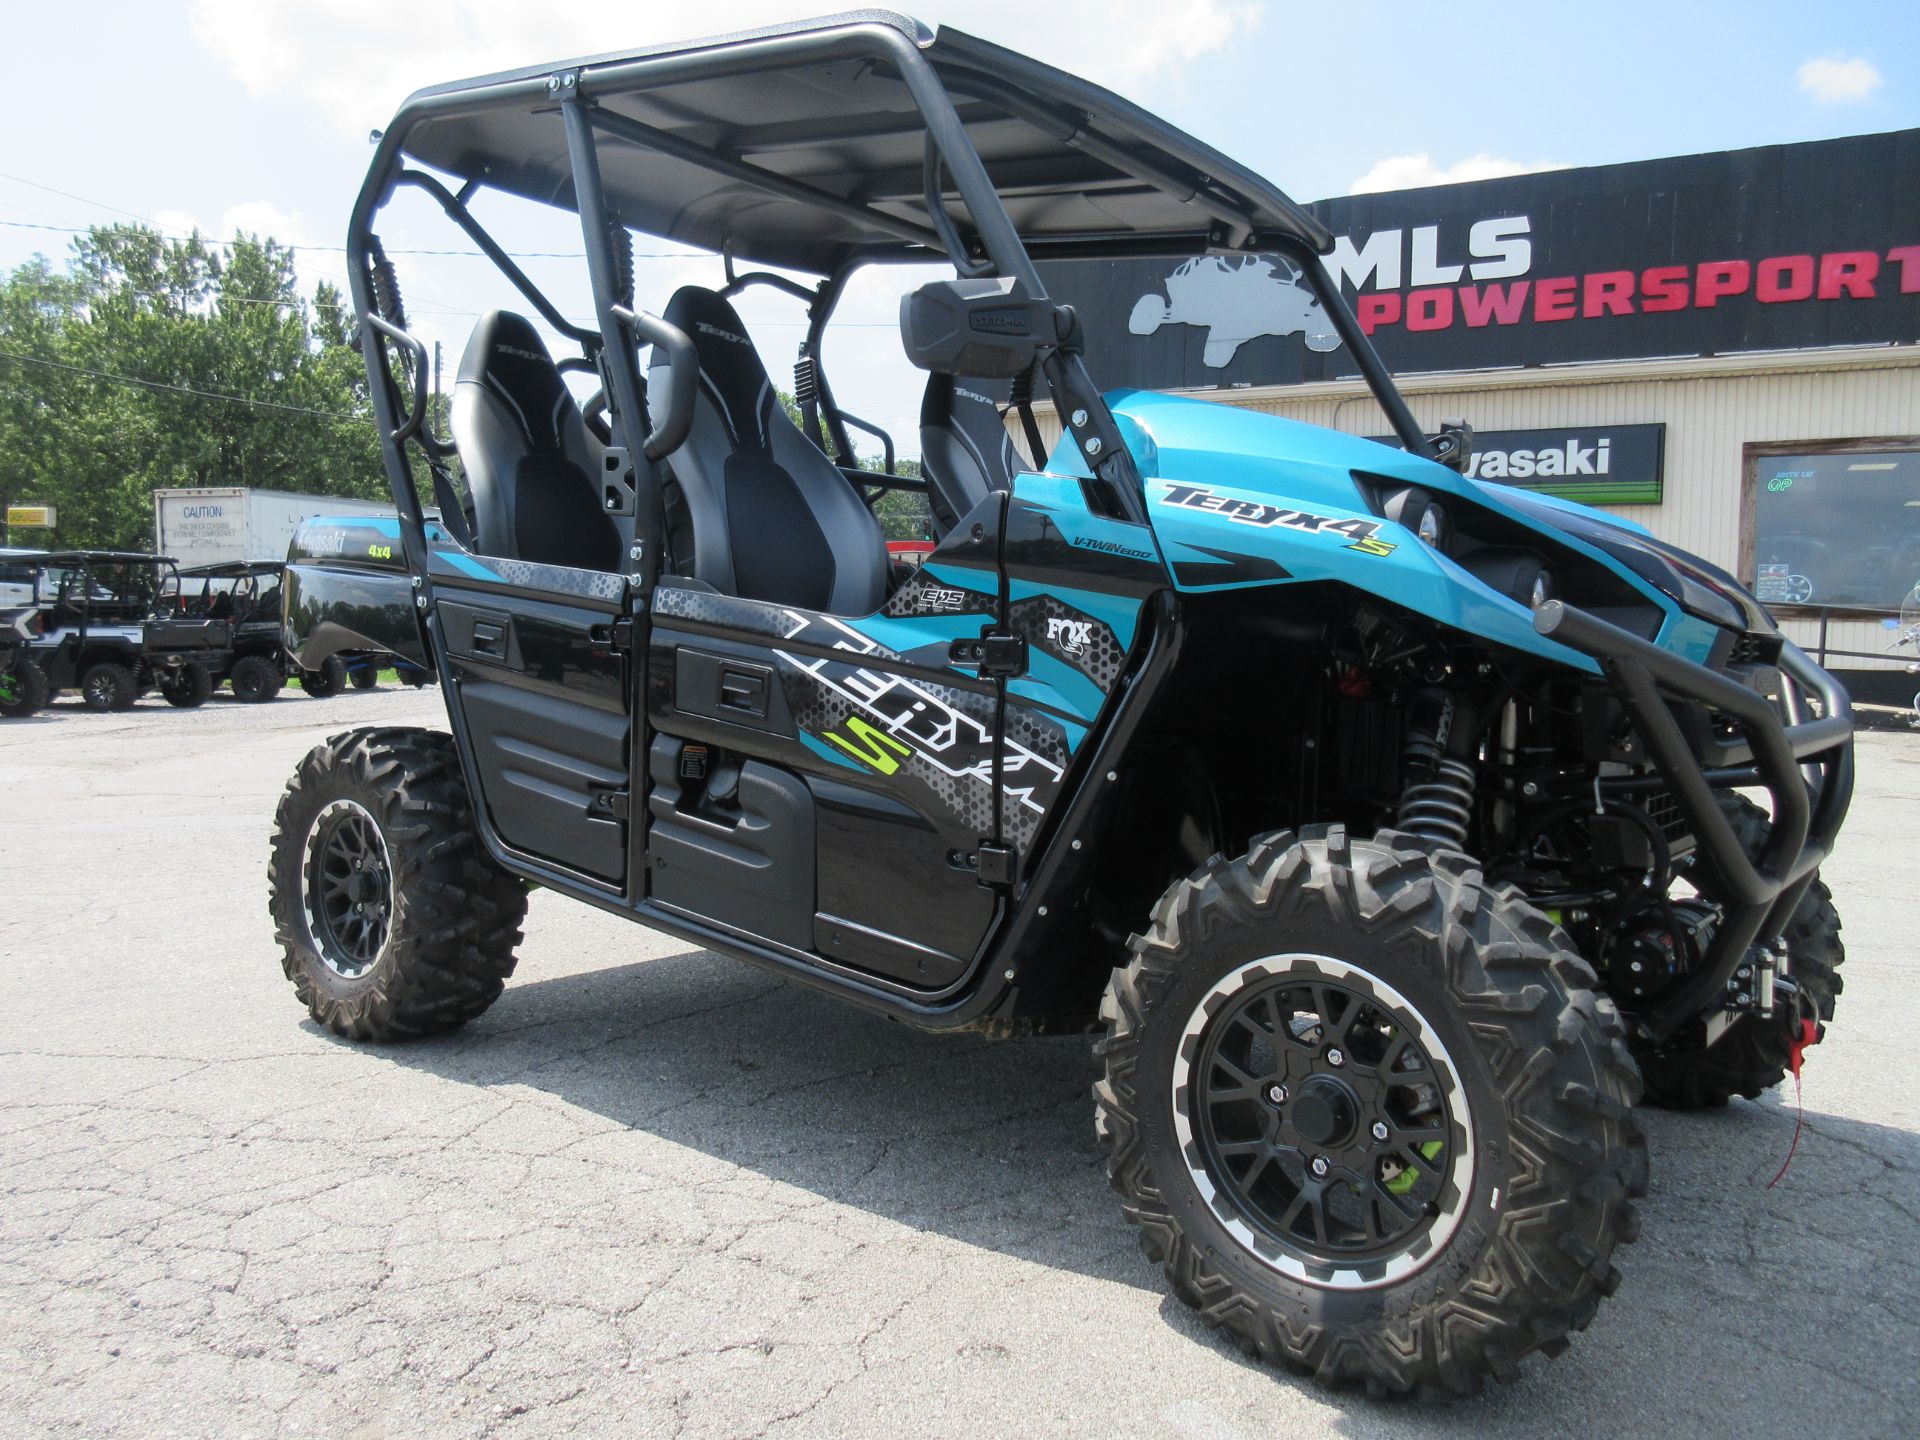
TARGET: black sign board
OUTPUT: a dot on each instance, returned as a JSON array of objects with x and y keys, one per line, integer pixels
[
  {"x": 1594, "y": 464},
  {"x": 1787, "y": 247}
]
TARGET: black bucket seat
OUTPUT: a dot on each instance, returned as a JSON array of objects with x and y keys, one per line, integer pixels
[
  {"x": 531, "y": 464},
  {"x": 965, "y": 450},
  {"x": 772, "y": 518}
]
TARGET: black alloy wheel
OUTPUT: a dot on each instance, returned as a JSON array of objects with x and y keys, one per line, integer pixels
[
  {"x": 349, "y": 889},
  {"x": 1322, "y": 1110}
]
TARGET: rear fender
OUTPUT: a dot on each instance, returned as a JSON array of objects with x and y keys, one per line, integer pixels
[{"x": 347, "y": 590}]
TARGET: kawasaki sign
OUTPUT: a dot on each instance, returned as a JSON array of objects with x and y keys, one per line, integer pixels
[
  {"x": 1788, "y": 247},
  {"x": 1594, "y": 464}
]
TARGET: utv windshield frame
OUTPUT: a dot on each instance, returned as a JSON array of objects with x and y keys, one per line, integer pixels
[{"x": 1079, "y": 149}]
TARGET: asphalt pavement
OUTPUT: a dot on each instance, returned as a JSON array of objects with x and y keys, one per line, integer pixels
[{"x": 658, "y": 1192}]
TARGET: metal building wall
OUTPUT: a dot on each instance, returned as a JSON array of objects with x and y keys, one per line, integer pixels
[{"x": 1712, "y": 409}]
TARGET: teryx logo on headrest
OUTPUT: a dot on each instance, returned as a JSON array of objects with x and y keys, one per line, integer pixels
[
  {"x": 1359, "y": 533},
  {"x": 705, "y": 329},
  {"x": 517, "y": 351}
]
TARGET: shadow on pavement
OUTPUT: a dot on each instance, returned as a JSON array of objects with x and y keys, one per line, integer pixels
[{"x": 991, "y": 1143}]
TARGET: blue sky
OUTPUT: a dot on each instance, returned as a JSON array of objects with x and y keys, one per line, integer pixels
[{"x": 255, "y": 113}]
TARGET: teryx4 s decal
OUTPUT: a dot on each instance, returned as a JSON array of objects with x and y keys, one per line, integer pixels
[{"x": 1361, "y": 535}]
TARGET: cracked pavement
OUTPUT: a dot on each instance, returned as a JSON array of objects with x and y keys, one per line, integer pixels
[{"x": 658, "y": 1192}]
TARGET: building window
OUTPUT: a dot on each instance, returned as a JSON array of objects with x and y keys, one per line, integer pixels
[{"x": 1834, "y": 524}]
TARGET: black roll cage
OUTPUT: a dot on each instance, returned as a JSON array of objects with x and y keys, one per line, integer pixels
[{"x": 994, "y": 246}]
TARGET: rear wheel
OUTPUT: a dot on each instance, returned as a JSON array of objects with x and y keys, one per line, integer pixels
[
  {"x": 23, "y": 690},
  {"x": 392, "y": 919},
  {"x": 1369, "y": 1113},
  {"x": 329, "y": 680},
  {"x": 108, "y": 685},
  {"x": 1754, "y": 1054},
  {"x": 188, "y": 687},
  {"x": 364, "y": 677},
  {"x": 255, "y": 678}
]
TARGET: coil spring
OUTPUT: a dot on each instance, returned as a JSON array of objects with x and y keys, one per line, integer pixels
[
  {"x": 622, "y": 262},
  {"x": 804, "y": 391},
  {"x": 386, "y": 288},
  {"x": 1440, "y": 807}
]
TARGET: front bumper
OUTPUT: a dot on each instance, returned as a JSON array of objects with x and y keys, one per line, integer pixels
[{"x": 1804, "y": 760}]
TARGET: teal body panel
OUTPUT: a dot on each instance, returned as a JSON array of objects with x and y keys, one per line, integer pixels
[{"x": 1238, "y": 499}]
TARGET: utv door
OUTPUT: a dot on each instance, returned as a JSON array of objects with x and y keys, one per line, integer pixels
[
  {"x": 827, "y": 783},
  {"x": 540, "y": 682}
]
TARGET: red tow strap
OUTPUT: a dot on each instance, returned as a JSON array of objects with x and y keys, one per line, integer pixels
[{"x": 1809, "y": 1035}]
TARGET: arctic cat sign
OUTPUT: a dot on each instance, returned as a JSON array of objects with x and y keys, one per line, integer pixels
[
  {"x": 1789, "y": 247},
  {"x": 1595, "y": 464}
]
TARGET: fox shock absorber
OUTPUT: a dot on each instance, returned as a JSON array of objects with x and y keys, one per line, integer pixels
[{"x": 1437, "y": 799}]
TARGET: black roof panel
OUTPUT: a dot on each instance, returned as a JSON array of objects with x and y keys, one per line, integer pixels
[{"x": 835, "y": 126}]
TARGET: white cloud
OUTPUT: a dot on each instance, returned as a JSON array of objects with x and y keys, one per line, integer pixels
[
  {"x": 1410, "y": 172},
  {"x": 1839, "y": 79},
  {"x": 357, "y": 60}
]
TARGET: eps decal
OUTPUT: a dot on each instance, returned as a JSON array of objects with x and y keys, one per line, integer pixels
[{"x": 1361, "y": 535}]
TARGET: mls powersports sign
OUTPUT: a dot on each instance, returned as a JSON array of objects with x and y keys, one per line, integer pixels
[{"x": 1788, "y": 247}]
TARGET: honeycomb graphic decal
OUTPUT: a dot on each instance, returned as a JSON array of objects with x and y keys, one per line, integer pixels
[{"x": 1071, "y": 636}]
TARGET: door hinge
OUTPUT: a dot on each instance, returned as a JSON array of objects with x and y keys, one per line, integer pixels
[
  {"x": 997, "y": 863},
  {"x": 996, "y": 656},
  {"x": 623, "y": 635},
  {"x": 606, "y": 803}
]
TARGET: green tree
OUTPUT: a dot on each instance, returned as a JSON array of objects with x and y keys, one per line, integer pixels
[{"x": 153, "y": 362}]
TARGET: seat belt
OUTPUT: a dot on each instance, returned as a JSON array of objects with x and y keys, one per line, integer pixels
[{"x": 1020, "y": 398}]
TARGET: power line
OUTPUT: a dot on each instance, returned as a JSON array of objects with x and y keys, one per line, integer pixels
[
  {"x": 69, "y": 195},
  {"x": 180, "y": 389},
  {"x": 341, "y": 249}
]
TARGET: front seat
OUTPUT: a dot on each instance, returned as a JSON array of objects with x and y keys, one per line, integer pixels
[
  {"x": 772, "y": 518},
  {"x": 531, "y": 465},
  {"x": 965, "y": 450}
]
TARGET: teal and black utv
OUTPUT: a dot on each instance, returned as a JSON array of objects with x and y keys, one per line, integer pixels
[{"x": 1386, "y": 826}]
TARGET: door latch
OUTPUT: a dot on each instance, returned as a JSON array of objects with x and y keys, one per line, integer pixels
[
  {"x": 995, "y": 656},
  {"x": 606, "y": 802}
]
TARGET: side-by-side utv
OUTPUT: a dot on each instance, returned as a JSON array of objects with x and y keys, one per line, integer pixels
[
  {"x": 99, "y": 629},
  {"x": 1394, "y": 831}
]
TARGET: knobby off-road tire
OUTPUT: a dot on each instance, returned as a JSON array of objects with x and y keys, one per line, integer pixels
[
  {"x": 364, "y": 678},
  {"x": 25, "y": 689},
  {"x": 108, "y": 685},
  {"x": 255, "y": 679},
  {"x": 1753, "y": 1056},
  {"x": 188, "y": 688},
  {"x": 1526, "y": 1197},
  {"x": 381, "y": 819},
  {"x": 326, "y": 682}
]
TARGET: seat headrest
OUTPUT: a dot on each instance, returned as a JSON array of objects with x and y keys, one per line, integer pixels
[
  {"x": 507, "y": 355},
  {"x": 729, "y": 365},
  {"x": 962, "y": 407}
]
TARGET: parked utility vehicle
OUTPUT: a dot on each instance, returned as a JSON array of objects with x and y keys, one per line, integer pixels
[
  {"x": 23, "y": 684},
  {"x": 100, "y": 630},
  {"x": 1384, "y": 821}
]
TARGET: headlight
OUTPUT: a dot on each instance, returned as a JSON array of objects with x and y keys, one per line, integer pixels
[{"x": 1432, "y": 525}]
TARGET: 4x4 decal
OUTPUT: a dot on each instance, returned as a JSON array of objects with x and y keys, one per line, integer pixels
[{"x": 1361, "y": 535}]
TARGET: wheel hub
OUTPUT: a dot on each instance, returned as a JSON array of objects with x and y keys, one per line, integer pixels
[{"x": 1325, "y": 1114}]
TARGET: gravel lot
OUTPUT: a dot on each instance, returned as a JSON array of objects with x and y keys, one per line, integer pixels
[{"x": 655, "y": 1191}]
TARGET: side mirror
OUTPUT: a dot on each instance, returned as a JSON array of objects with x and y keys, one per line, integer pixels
[{"x": 985, "y": 328}]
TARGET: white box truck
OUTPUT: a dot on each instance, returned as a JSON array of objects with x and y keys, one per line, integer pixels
[{"x": 217, "y": 524}]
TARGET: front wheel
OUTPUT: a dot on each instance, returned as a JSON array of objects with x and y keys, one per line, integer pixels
[
  {"x": 108, "y": 685},
  {"x": 392, "y": 919},
  {"x": 1370, "y": 1113}
]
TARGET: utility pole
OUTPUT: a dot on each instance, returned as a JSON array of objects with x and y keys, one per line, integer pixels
[{"x": 439, "y": 426}]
